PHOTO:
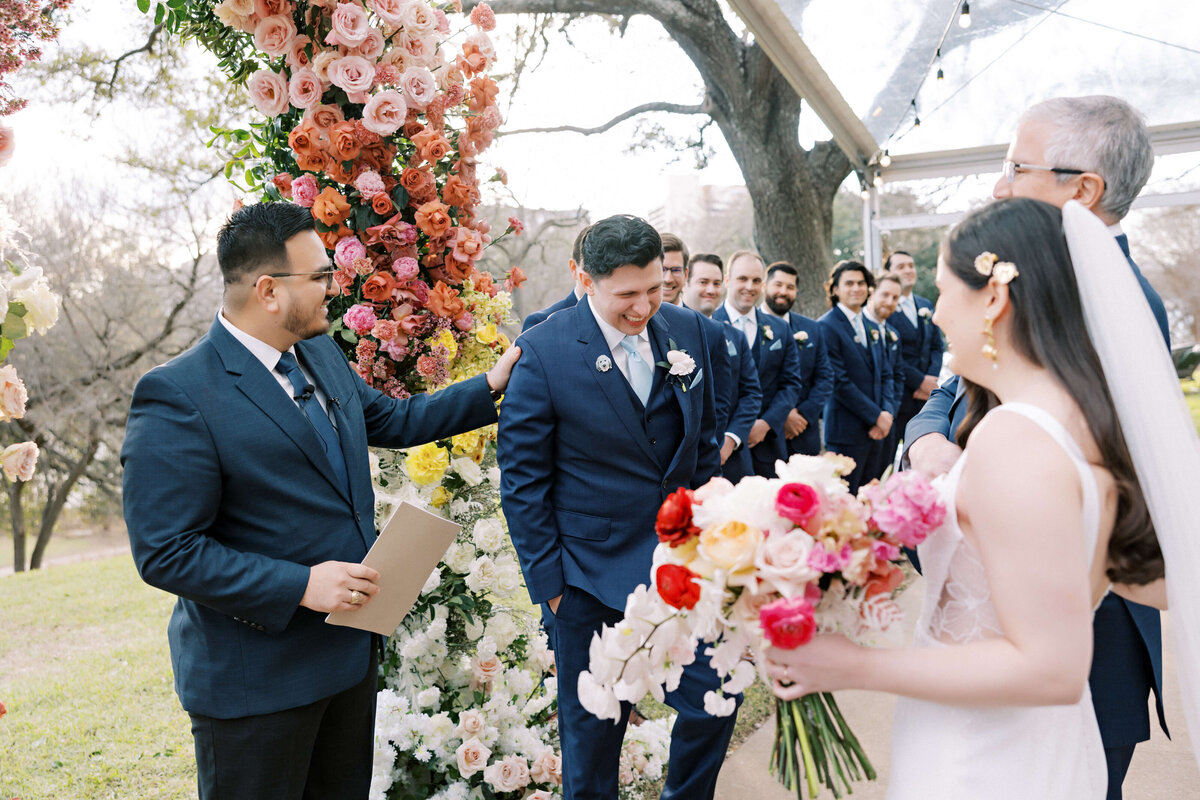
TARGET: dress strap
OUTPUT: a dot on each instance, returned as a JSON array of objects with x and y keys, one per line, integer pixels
[{"x": 1087, "y": 479}]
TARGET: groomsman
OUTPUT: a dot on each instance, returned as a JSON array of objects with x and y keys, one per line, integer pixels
[
  {"x": 594, "y": 435},
  {"x": 881, "y": 309},
  {"x": 802, "y": 428},
  {"x": 856, "y": 415},
  {"x": 778, "y": 366},
  {"x": 702, "y": 291},
  {"x": 1095, "y": 150},
  {"x": 576, "y": 288},
  {"x": 920, "y": 341}
]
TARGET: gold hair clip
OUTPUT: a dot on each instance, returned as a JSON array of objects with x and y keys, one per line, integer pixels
[{"x": 989, "y": 264}]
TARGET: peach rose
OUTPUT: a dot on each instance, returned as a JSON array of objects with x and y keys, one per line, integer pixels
[
  {"x": 418, "y": 19},
  {"x": 384, "y": 113},
  {"x": 472, "y": 757},
  {"x": 283, "y": 182},
  {"x": 305, "y": 88},
  {"x": 229, "y": 15},
  {"x": 330, "y": 208},
  {"x": 343, "y": 144},
  {"x": 433, "y": 219},
  {"x": 322, "y": 61},
  {"x": 372, "y": 47},
  {"x": 379, "y": 155},
  {"x": 353, "y": 73},
  {"x": 12, "y": 394},
  {"x": 297, "y": 55},
  {"x": 388, "y": 10},
  {"x": 267, "y": 8},
  {"x": 510, "y": 774},
  {"x": 313, "y": 162},
  {"x": 19, "y": 460},
  {"x": 547, "y": 767},
  {"x": 484, "y": 92},
  {"x": 306, "y": 139},
  {"x": 7, "y": 143},
  {"x": 381, "y": 204},
  {"x": 444, "y": 301},
  {"x": 273, "y": 35},
  {"x": 471, "y": 722},
  {"x": 468, "y": 245},
  {"x": 458, "y": 192},
  {"x": 378, "y": 288},
  {"x": 350, "y": 25},
  {"x": 486, "y": 670},
  {"x": 731, "y": 546},
  {"x": 419, "y": 86},
  {"x": 269, "y": 92},
  {"x": 437, "y": 149}
]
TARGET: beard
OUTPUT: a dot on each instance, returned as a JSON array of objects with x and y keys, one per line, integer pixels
[
  {"x": 779, "y": 304},
  {"x": 305, "y": 326}
]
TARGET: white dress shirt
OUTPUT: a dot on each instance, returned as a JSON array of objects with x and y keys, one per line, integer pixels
[
  {"x": 860, "y": 330},
  {"x": 614, "y": 337},
  {"x": 269, "y": 356},
  {"x": 908, "y": 304},
  {"x": 746, "y": 323}
]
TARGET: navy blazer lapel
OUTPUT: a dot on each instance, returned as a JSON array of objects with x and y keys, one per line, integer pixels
[
  {"x": 864, "y": 353},
  {"x": 264, "y": 391},
  {"x": 611, "y": 381},
  {"x": 660, "y": 342}
]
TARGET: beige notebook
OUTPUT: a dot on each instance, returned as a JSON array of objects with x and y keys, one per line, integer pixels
[{"x": 408, "y": 549}]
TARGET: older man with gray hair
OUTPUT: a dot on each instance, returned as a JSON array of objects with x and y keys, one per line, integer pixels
[{"x": 1097, "y": 151}]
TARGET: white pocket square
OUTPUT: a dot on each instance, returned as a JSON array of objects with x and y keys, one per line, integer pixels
[
  {"x": 778, "y": 344},
  {"x": 696, "y": 380}
]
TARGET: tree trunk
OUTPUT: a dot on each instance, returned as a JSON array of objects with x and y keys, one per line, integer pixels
[
  {"x": 57, "y": 498},
  {"x": 17, "y": 514}
]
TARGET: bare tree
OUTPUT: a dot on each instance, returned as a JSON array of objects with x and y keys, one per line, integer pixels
[{"x": 1170, "y": 240}]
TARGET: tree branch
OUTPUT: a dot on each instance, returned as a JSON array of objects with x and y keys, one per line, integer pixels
[
  {"x": 672, "y": 108},
  {"x": 145, "y": 48}
]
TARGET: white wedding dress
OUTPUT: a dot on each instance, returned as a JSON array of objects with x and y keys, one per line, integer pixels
[{"x": 944, "y": 752}]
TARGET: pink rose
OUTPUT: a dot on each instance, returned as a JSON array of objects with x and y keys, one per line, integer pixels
[
  {"x": 405, "y": 268},
  {"x": 273, "y": 35},
  {"x": 324, "y": 116},
  {"x": 472, "y": 757},
  {"x": 304, "y": 190},
  {"x": 798, "y": 503},
  {"x": 372, "y": 46},
  {"x": 389, "y": 11},
  {"x": 483, "y": 17},
  {"x": 347, "y": 250},
  {"x": 369, "y": 184},
  {"x": 906, "y": 507},
  {"x": 353, "y": 73},
  {"x": 883, "y": 551},
  {"x": 788, "y": 623},
  {"x": 782, "y": 561},
  {"x": 7, "y": 144},
  {"x": 297, "y": 55},
  {"x": 360, "y": 319},
  {"x": 350, "y": 25},
  {"x": 485, "y": 670},
  {"x": 384, "y": 113},
  {"x": 481, "y": 44},
  {"x": 466, "y": 322},
  {"x": 540, "y": 794},
  {"x": 283, "y": 182},
  {"x": 419, "y": 86},
  {"x": 269, "y": 92},
  {"x": 12, "y": 394},
  {"x": 418, "y": 19},
  {"x": 823, "y": 560},
  {"x": 443, "y": 22},
  {"x": 18, "y": 461},
  {"x": 468, "y": 246},
  {"x": 508, "y": 775},
  {"x": 305, "y": 88},
  {"x": 547, "y": 767},
  {"x": 470, "y": 723}
]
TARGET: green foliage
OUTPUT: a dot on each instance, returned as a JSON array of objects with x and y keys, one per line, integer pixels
[{"x": 195, "y": 19}]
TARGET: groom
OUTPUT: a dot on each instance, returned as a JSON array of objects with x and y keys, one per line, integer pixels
[{"x": 594, "y": 434}]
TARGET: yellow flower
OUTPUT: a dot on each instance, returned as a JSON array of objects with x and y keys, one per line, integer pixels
[
  {"x": 731, "y": 546},
  {"x": 469, "y": 444},
  {"x": 487, "y": 333},
  {"x": 503, "y": 340},
  {"x": 441, "y": 496},
  {"x": 446, "y": 339},
  {"x": 427, "y": 464}
]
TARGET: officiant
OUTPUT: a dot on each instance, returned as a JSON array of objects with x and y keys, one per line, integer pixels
[{"x": 247, "y": 493}]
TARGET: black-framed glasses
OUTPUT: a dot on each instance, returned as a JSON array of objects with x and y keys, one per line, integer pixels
[
  {"x": 327, "y": 274},
  {"x": 1011, "y": 168},
  {"x": 676, "y": 271}
]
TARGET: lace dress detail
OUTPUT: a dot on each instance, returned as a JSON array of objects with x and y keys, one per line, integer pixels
[{"x": 952, "y": 752}]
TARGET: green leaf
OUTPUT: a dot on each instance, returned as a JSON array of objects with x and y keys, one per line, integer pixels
[
  {"x": 160, "y": 11},
  {"x": 6, "y": 346},
  {"x": 14, "y": 327},
  {"x": 143, "y": 5}
]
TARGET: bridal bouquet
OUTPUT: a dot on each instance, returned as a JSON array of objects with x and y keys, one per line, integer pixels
[{"x": 768, "y": 561}]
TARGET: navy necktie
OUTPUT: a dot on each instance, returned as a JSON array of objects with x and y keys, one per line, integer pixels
[{"x": 304, "y": 395}]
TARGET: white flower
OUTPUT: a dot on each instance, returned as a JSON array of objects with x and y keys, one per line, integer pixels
[
  {"x": 41, "y": 304},
  {"x": 718, "y": 706},
  {"x": 924, "y": 312},
  {"x": 482, "y": 574},
  {"x": 488, "y": 534},
  {"x": 782, "y": 561},
  {"x": 507, "y": 775},
  {"x": 493, "y": 476},
  {"x": 3, "y": 297},
  {"x": 508, "y": 575},
  {"x": 502, "y": 629},
  {"x": 800, "y": 336},
  {"x": 468, "y": 470},
  {"x": 598, "y": 699},
  {"x": 432, "y": 582},
  {"x": 681, "y": 363},
  {"x": 812, "y": 470},
  {"x": 472, "y": 756},
  {"x": 459, "y": 558}
]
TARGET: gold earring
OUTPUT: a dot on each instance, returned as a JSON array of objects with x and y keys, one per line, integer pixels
[{"x": 989, "y": 347}]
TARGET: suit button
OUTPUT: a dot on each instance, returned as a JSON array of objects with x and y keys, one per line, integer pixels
[
  {"x": 664, "y": 484},
  {"x": 653, "y": 440},
  {"x": 649, "y": 419},
  {"x": 357, "y": 516}
]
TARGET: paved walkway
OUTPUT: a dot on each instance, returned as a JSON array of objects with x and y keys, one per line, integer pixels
[{"x": 1162, "y": 769}]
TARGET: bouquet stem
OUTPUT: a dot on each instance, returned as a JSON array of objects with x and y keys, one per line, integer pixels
[{"x": 813, "y": 727}]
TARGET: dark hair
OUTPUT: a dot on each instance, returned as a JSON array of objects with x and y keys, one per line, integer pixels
[
  {"x": 616, "y": 241},
  {"x": 255, "y": 238},
  {"x": 577, "y": 247},
  {"x": 786, "y": 267},
  {"x": 841, "y": 268},
  {"x": 673, "y": 244},
  {"x": 707, "y": 258},
  {"x": 1048, "y": 329},
  {"x": 887, "y": 264}
]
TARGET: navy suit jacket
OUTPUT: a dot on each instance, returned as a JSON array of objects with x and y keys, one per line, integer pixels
[
  {"x": 862, "y": 380},
  {"x": 816, "y": 374},
  {"x": 891, "y": 344},
  {"x": 1118, "y": 682},
  {"x": 229, "y": 499},
  {"x": 540, "y": 316},
  {"x": 580, "y": 483},
  {"x": 920, "y": 345},
  {"x": 778, "y": 376}
]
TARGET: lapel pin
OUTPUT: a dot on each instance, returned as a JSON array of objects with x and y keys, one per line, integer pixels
[{"x": 603, "y": 363}]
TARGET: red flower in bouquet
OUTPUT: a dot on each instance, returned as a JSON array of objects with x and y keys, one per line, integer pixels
[
  {"x": 798, "y": 502},
  {"x": 674, "y": 522},
  {"x": 788, "y": 623},
  {"x": 677, "y": 586}
]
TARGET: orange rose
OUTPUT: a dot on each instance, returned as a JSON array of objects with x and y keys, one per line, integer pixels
[
  {"x": 416, "y": 181},
  {"x": 458, "y": 192},
  {"x": 379, "y": 155},
  {"x": 337, "y": 171},
  {"x": 305, "y": 139},
  {"x": 444, "y": 301},
  {"x": 381, "y": 204},
  {"x": 432, "y": 218},
  {"x": 484, "y": 91},
  {"x": 343, "y": 144},
  {"x": 330, "y": 207},
  {"x": 484, "y": 283},
  {"x": 456, "y": 271},
  {"x": 516, "y": 277},
  {"x": 437, "y": 149},
  {"x": 378, "y": 288}
]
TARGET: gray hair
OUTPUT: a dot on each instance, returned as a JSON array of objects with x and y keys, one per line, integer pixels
[{"x": 1099, "y": 134}]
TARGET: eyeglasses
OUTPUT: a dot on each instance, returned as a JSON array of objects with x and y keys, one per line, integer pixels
[
  {"x": 1011, "y": 168},
  {"x": 674, "y": 270},
  {"x": 327, "y": 274}
]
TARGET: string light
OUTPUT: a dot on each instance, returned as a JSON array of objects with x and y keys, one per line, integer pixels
[
  {"x": 878, "y": 181},
  {"x": 941, "y": 76},
  {"x": 916, "y": 116},
  {"x": 964, "y": 19},
  {"x": 885, "y": 160}
]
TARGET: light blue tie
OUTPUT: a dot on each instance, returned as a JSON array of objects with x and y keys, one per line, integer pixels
[
  {"x": 641, "y": 375},
  {"x": 860, "y": 330}
]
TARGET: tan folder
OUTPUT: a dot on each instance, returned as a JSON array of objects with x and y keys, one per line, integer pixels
[{"x": 408, "y": 549}]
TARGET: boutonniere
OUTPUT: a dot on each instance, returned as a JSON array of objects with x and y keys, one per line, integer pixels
[
  {"x": 801, "y": 338},
  {"x": 768, "y": 334},
  {"x": 874, "y": 334},
  {"x": 603, "y": 363},
  {"x": 678, "y": 365},
  {"x": 892, "y": 335},
  {"x": 924, "y": 313}
]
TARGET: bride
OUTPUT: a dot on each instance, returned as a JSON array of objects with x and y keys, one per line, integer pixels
[{"x": 1048, "y": 508}]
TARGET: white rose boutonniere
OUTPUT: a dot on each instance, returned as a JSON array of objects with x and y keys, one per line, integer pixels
[
  {"x": 874, "y": 334},
  {"x": 924, "y": 313},
  {"x": 678, "y": 365},
  {"x": 768, "y": 334},
  {"x": 801, "y": 338}
]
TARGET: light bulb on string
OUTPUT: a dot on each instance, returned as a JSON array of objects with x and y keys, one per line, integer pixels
[
  {"x": 916, "y": 116},
  {"x": 941, "y": 76},
  {"x": 878, "y": 181},
  {"x": 964, "y": 19},
  {"x": 885, "y": 160}
]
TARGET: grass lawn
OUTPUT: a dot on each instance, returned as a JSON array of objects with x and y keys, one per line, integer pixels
[{"x": 86, "y": 677}]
